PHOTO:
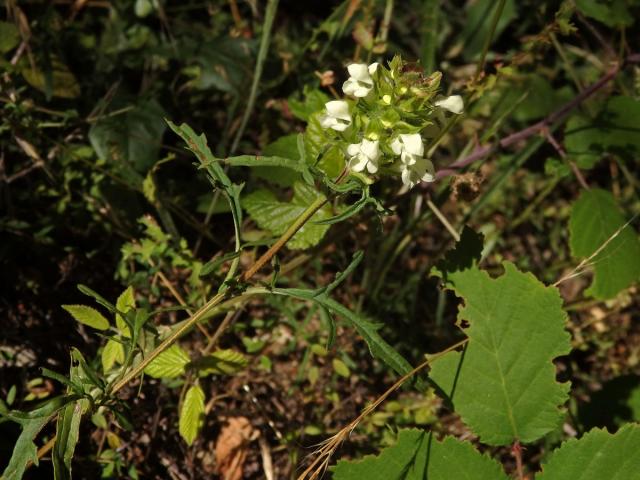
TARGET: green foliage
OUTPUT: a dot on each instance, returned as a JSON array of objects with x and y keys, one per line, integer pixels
[
  {"x": 221, "y": 362},
  {"x": 112, "y": 353},
  {"x": 417, "y": 455},
  {"x": 613, "y": 13},
  {"x": 503, "y": 383},
  {"x": 276, "y": 216},
  {"x": 87, "y": 316},
  {"x": 595, "y": 218},
  {"x": 169, "y": 364},
  {"x": 192, "y": 414},
  {"x": 67, "y": 435},
  {"x": 477, "y": 25},
  {"x": 598, "y": 454}
]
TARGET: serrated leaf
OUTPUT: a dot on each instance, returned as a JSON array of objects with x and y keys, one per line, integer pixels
[
  {"x": 126, "y": 301},
  {"x": 504, "y": 383},
  {"x": 417, "y": 456},
  {"x": 87, "y": 316},
  {"x": 614, "y": 130},
  {"x": 596, "y": 456},
  {"x": 221, "y": 362},
  {"x": 321, "y": 150},
  {"x": 112, "y": 353},
  {"x": 595, "y": 217},
  {"x": 276, "y": 216},
  {"x": 169, "y": 364},
  {"x": 192, "y": 414}
]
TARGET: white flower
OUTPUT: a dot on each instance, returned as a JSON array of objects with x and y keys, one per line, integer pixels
[
  {"x": 421, "y": 170},
  {"x": 409, "y": 147},
  {"x": 454, "y": 104},
  {"x": 360, "y": 82},
  {"x": 364, "y": 154},
  {"x": 337, "y": 116}
]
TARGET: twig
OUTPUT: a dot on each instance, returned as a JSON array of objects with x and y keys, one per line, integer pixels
[
  {"x": 557, "y": 116},
  {"x": 443, "y": 220},
  {"x": 516, "y": 451},
  {"x": 563, "y": 154}
]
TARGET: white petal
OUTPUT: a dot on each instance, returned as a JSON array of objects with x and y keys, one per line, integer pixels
[
  {"x": 338, "y": 109},
  {"x": 372, "y": 68},
  {"x": 396, "y": 146},
  {"x": 454, "y": 104},
  {"x": 359, "y": 71},
  {"x": 340, "y": 127},
  {"x": 350, "y": 86},
  {"x": 372, "y": 166},
  {"x": 358, "y": 163},
  {"x": 413, "y": 144},
  {"x": 327, "y": 122},
  {"x": 409, "y": 159},
  {"x": 406, "y": 177},
  {"x": 361, "y": 91},
  {"x": 370, "y": 149},
  {"x": 353, "y": 149}
]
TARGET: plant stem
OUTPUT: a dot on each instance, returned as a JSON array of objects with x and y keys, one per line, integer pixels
[{"x": 489, "y": 39}]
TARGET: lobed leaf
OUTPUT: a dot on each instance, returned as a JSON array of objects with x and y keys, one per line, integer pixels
[{"x": 503, "y": 383}]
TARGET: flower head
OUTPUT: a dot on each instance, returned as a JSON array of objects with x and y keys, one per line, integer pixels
[
  {"x": 364, "y": 154},
  {"x": 421, "y": 170},
  {"x": 454, "y": 104},
  {"x": 409, "y": 147},
  {"x": 337, "y": 117},
  {"x": 360, "y": 82}
]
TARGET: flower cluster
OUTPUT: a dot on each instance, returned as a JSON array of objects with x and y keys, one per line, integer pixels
[{"x": 381, "y": 128}]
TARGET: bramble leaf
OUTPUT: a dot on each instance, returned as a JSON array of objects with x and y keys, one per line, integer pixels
[
  {"x": 126, "y": 301},
  {"x": 595, "y": 217},
  {"x": 112, "y": 352},
  {"x": 221, "y": 362},
  {"x": 169, "y": 364},
  {"x": 503, "y": 384},
  {"x": 87, "y": 316},
  {"x": 417, "y": 456},
  {"x": 595, "y": 456},
  {"x": 276, "y": 216},
  {"x": 191, "y": 414}
]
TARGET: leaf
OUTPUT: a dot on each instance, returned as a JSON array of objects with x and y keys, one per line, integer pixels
[
  {"x": 192, "y": 414},
  {"x": 613, "y": 13},
  {"x": 63, "y": 83},
  {"x": 25, "y": 451},
  {"x": 9, "y": 37},
  {"x": 417, "y": 456},
  {"x": 67, "y": 434},
  {"x": 595, "y": 217},
  {"x": 131, "y": 139},
  {"x": 221, "y": 362},
  {"x": 286, "y": 147},
  {"x": 503, "y": 384},
  {"x": 169, "y": 364},
  {"x": 477, "y": 25},
  {"x": 276, "y": 216},
  {"x": 616, "y": 403},
  {"x": 596, "y": 456},
  {"x": 321, "y": 150},
  {"x": 340, "y": 368},
  {"x": 614, "y": 130},
  {"x": 87, "y": 316},
  {"x": 126, "y": 302},
  {"x": 314, "y": 101},
  {"x": 112, "y": 353}
]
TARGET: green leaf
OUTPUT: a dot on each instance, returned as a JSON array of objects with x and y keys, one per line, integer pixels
[
  {"x": 63, "y": 83},
  {"x": 192, "y": 414},
  {"x": 477, "y": 25},
  {"x": 221, "y": 362},
  {"x": 340, "y": 368},
  {"x": 87, "y": 316},
  {"x": 286, "y": 147},
  {"x": 9, "y": 37},
  {"x": 25, "y": 450},
  {"x": 169, "y": 364},
  {"x": 417, "y": 456},
  {"x": 314, "y": 101},
  {"x": 67, "y": 434},
  {"x": 276, "y": 216},
  {"x": 596, "y": 456},
  {"x": 131, "y": 139},
  {"x": 504, "y": 383},
  {"x": 595, "y": 217},
  {"x": 320, "y": 150},
  {"x": 613, "y": 13},
  {"x": 614, "y": 130},
  {"x": 126, "y": 302},
  {"x": 112, "y": 353}
]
